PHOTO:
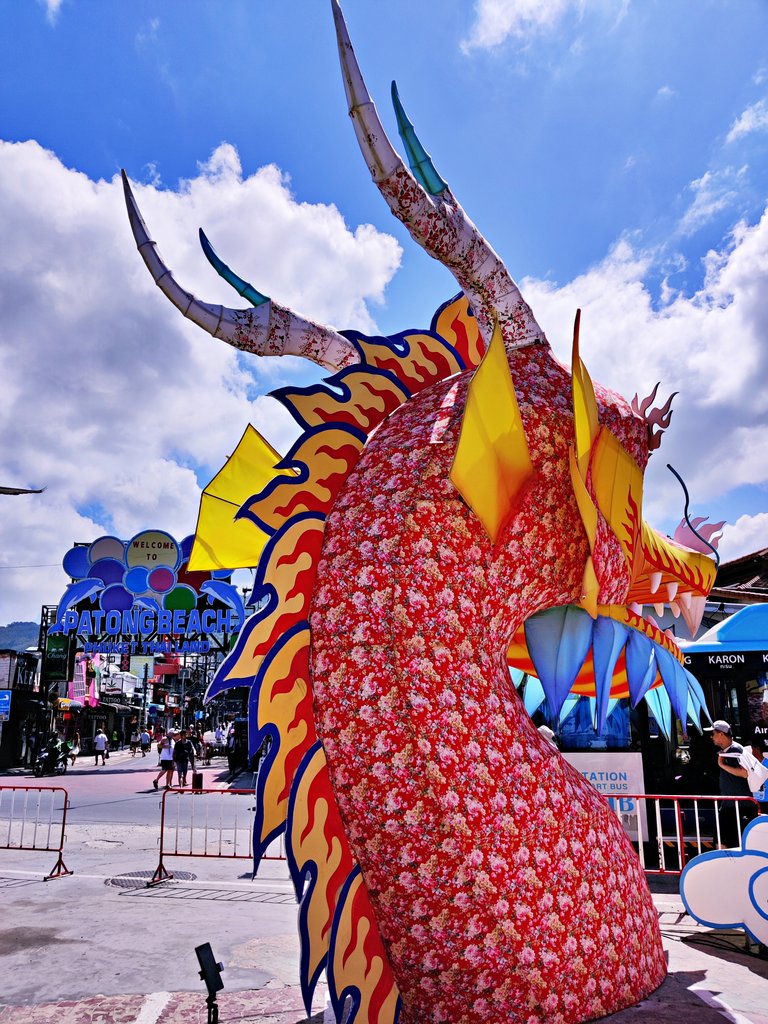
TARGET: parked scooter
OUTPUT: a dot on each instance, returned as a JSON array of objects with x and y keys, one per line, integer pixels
[{"x": 52, "y": 760}]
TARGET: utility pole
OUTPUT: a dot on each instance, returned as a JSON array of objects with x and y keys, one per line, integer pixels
[{"x": 144, "y": 702}]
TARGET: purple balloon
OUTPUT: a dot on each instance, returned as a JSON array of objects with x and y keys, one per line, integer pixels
[
  {"x": 116, "y": 599},
  {"x": 109, "y": 570}
]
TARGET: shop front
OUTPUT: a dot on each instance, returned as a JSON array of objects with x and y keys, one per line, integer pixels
[{"x": 731, "y": 663}]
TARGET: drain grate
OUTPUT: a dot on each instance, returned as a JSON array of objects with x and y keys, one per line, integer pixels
[
  {"x": 180, "y": 892},
  {"x": 139, "y": 879}
]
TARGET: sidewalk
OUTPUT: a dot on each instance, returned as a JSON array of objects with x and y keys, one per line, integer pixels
[{"x": 98, "y": 947}]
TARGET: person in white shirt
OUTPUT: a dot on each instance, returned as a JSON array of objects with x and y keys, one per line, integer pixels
[
  {"x": 166, "y": 762},
  {"x": 100, "y": 746}
]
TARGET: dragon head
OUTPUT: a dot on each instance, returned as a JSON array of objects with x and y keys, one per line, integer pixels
[{"x": 529, "y": 428}]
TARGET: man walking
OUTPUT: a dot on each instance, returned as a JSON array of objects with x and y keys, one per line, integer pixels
[
  {"x": 100, "y": 747},
  {"x": 733, "y": 782}
]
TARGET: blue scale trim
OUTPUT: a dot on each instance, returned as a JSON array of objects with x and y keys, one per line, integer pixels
[
  {"x": 256, "y": 737},
  {"x": 304, "y": 882},
  {"x": 301, "y": 477},
  {"x": 335, "y": 386}
]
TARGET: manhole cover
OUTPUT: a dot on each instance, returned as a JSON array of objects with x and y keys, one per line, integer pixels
[{"x": 139, "y": 879}]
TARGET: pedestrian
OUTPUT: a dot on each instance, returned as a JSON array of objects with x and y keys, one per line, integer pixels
[
  {"x": 231, "y": 751},
  {"x": 183, "y": 754},
  {"x": 100, "y": 746},
  {"x": 733, "y": 815},
  {"x": 74, "y": 747},
  {"x": 145, "y": 741},
  {"x": 134, "y": 740},
  {"x": 120, "y": 738},
  {"x": 166, "y": 762}
]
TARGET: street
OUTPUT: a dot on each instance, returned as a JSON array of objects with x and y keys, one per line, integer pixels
[
  {"x": 100, "y": 945},
  {"x": 102, "y": 931}
]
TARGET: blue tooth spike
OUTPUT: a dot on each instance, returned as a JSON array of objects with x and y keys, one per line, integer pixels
[
  {"x": 534, "y": 695},
  {"x": 608, "y": 640},
  {"x": 593, "y": 709},
  {"x": 517, "y": 676},
  {"x": 674, "y": 680},
  {"x": 658, "y": 701},
  {"x": 641, "y": 665},
  {"x": 241, "y": 287},
  {"x": 569, "y": 707},
  {"x": 418, "y": 158},
  {"x": 694, "y": 713},
  {"x": 694, "y": 687},
  {"x": 558, "y": 642}
]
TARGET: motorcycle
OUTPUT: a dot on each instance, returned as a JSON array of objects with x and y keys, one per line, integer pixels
[{"x": 51, "y": 762}]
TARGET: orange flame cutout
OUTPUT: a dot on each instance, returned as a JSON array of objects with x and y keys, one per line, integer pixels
[
  {"x": 330, "y": 453},
  {"x": 358, "y": 962},
  {"x": 319, "y": 846},
  {"x": 427, "y": 359},
  {"x": 291, "y": 566},
  {"x": 460, "y": 329},
  {"x": 367, "y": 398},
  {"x": 285, "y": 703}
]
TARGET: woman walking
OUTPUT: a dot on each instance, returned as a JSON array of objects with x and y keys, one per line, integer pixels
[{"x": 166, "y": 762}]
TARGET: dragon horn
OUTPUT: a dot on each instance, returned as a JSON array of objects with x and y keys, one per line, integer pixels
[
  {"x": 432, "y": 215},
  {"x": 266, "y": 330}
]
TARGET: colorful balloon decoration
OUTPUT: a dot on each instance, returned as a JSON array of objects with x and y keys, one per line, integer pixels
[
  {"x": 457, "y": 503},
  {"x": 151, "y": 570}
]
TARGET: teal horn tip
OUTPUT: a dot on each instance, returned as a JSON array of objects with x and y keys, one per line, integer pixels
[
  {"x": 241, "y": 287},
  {"x": 419, "y": 159}
]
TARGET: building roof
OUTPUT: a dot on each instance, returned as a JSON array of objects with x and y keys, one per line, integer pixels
[{"x": 743, "y": 580}]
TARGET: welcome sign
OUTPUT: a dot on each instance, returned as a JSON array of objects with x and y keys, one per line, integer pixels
[{"x": 139, "y": 596}]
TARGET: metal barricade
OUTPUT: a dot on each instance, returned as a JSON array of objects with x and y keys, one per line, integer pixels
[
  {"x": 35, "y": 818},
  {"x": 668, "y": 830},
  {"x": 208, "y": 823}
]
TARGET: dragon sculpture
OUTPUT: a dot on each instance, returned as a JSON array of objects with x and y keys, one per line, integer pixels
[{"x": 458, "y": 502}]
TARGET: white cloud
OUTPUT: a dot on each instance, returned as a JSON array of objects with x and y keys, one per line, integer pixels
[
  {"x": 111, "y": 399},
  {"x": 52, "y": 8},
  {"x": 665, "y": 93},
  {"x": 497, "y": 20},
  {"x": 713, "y": 192},
  {"x": 753, "y": 119},
  {"x": 747, "y": 535},
  {"x": 709, "y": 347}
]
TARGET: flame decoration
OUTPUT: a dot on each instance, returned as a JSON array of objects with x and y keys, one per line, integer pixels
[{"x": 657, "y": 419}]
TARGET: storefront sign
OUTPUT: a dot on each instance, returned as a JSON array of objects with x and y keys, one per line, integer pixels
[
  {"x": 619, "y": 777},
  {"x": 713, "y": 664}
]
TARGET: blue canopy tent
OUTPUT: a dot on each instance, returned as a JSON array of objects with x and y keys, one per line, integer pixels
[{"x": 731, "y": 662}]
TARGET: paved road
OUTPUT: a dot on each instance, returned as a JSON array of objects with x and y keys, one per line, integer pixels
[
  {"x": 99, "y": 945},
  {"x": 119, "y": 792}
]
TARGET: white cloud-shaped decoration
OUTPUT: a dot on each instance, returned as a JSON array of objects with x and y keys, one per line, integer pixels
[{"x": 729, "y": 888}]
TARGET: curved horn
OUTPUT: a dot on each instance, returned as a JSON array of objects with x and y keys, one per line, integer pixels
[
  {"x": 266, "y": 329},
  {"x": 431, "y": 213}
]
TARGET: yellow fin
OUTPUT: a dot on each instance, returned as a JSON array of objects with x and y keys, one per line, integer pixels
[
  {"x": 221, "y": 541},
  {"x": 492, "y": 463}
]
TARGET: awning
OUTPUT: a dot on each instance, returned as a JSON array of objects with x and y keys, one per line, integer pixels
[
  {"x": 113, "y": 707},
  {"x": 737, "y": 645}
]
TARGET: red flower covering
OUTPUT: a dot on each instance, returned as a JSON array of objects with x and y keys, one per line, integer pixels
[{"x": 503, "y": 884}]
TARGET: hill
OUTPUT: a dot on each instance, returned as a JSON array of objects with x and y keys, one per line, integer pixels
[{"x": 18, "y": 636}]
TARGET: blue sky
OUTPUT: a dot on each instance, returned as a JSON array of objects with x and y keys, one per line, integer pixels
[{"x": 614, "y": 154}]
